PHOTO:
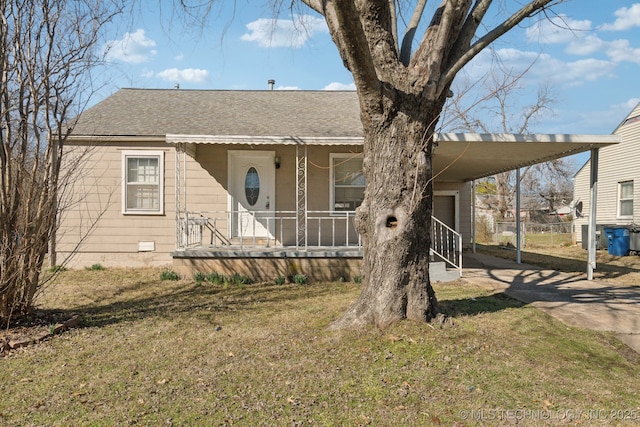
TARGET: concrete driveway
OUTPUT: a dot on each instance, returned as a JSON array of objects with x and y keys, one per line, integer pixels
[{"x": 569, "y": 297}]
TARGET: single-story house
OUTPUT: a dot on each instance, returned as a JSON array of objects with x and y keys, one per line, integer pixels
[
  {"x": 618, "y": 183},
  {"x": 263, "y": 183}
]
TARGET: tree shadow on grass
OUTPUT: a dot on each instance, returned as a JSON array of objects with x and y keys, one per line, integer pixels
[
  {"x": 195, "y": 299},
  {"x": 478, "y": 305}
]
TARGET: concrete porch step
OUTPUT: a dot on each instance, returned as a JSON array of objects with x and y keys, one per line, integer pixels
[{"x": 438, "y": 272}]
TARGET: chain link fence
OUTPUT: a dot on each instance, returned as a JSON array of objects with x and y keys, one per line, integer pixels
[{"x": 532, "y": 234}]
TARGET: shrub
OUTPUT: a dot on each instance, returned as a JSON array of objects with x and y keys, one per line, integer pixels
[
  {"x": 199, "y": 277},
  {"x": 484, "y": 230},
  {"x": 169, "y": 275},
  {"x": 357, "y": 279},
  {"x": 57, "y": 268},
  {"x": 300, "y": 279},
  {"x": 95, "y": 267},
  {"x": 280, "y": 280},
  {"x": 237, "y": 279},
  {"x": 215, "y": 278}
]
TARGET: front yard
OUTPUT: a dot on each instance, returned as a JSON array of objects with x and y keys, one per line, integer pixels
[{"x": 152, "y": 352}]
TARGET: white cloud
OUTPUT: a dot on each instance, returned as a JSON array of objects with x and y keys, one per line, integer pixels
[
  {"x": 133, "y": 48},
  {"x": 190, "y": 75},
  {"x": 179, "y": 57},
  {"x": 340, "y": 86},
  {"x": 539, "y": 67},
  {"x": 581, "y": 40},
  {"x": 586, "y": 45},
  {"x": 627, "y": 18},
  {"x": 617, "y": 50},
  {"x": 284, "y": 32},
  {"x": 621, "y": 51},
  {"x": 287, "y": 88},
  {"x": 559, "y": 29}
]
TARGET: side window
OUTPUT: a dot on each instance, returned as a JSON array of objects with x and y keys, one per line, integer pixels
[
  {"x": 625, "y": 199},
  {"x": 143, "y": 178},
  {"x": 347, "y": 181}
]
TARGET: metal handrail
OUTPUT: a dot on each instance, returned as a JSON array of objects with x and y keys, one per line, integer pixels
[{"x": 446, "y": 243}]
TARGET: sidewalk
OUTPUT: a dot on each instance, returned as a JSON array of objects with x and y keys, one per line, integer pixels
[{"x": 569, "y": 297}]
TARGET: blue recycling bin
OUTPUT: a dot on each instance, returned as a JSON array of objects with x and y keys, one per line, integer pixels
[{"x": 618, "y": 240}]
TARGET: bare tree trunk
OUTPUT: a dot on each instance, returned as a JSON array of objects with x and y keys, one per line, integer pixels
[{"x": 394, "y": 221}]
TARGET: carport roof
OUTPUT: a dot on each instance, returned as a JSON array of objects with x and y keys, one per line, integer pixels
[
  {"x": 469, "y": 156},
  {"x": 457, "y": 157}
]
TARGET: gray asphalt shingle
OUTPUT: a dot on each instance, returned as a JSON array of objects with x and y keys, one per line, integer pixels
[{"x": 153, "y": 112}]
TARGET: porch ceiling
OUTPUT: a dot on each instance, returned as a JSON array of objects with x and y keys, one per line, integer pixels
[
  {"x": 458, "y": 157},
  {"x": 469, "y": 156}
]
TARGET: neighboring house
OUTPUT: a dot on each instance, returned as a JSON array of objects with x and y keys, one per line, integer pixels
[
  {"x": 618, "y": 185},
  {"x": 562, "y": 211},
  {"x": 262, "y": 183}
]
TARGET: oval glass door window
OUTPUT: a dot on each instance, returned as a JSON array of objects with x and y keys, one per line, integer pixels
[{"x": 252, "y": 186}]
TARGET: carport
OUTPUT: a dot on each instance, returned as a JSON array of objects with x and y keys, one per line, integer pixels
[{"x": 471, "y": 156}]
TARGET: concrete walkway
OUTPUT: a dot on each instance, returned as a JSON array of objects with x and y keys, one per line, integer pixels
[{"x": 569, "y": 297}]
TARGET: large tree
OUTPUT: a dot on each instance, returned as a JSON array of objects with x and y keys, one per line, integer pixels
[
  {"x": 47, "y": 48},
  {"x": 402, "y": 92}
]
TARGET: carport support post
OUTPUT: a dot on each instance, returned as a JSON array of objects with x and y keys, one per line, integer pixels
[
  {"x": 473, "y": 215},
  {"x": 593, "y": 197}
]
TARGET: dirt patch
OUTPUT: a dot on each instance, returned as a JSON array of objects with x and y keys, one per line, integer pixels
[{"x": 30, "y": 330}]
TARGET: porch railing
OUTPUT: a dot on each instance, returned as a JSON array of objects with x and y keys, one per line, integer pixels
[
  {"x": 266, "y": 229},
  {"x": 446, "y": 244},
  {"x": 280, "y": 229}
]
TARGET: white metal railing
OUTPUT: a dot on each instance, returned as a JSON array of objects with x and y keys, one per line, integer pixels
[
  {"x": 279, "y": 229},
  {"x": 446, "y": 244},
  {"x": 266, "y": 229}
]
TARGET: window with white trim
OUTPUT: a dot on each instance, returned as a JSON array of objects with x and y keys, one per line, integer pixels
[
  {"x": 143, "y": 178},
  {"x": 625, "y": 199},
  {"x": 347, "y": 179}
]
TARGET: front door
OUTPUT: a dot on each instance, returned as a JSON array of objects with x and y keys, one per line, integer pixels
[{"x": 252, "y": 202}]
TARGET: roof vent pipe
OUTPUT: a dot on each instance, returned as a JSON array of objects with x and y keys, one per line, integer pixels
[{"x": 271, "y": 82}]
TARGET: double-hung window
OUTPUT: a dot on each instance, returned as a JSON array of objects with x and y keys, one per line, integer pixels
[
  {"x": 625, "y": 199},
  {"x": 143, "y": 178},
  {"x": 347, "y": 178}
]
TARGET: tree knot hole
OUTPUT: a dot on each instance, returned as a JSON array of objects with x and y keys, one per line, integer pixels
[{"x": 392, "y": 222}]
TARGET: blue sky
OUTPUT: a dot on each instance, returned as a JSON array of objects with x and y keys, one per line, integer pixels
[{"x": 588, "y": 55}]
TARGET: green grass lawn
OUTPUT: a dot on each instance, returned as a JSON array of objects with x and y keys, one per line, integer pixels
[
  {"x": 547, "y": 239},
  {"x": 153, "y": 352}
]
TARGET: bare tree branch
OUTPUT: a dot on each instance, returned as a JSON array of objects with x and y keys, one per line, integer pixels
[
  {"x": 407, "y": 40},
  {"x": 463, "y": 57}
]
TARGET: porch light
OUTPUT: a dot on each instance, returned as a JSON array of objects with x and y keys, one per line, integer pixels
[{"x": 276, "y": 161}]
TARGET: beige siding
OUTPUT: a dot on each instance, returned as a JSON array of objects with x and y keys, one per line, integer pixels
[
  {"x": 92, "y": 220},
  {"x": 616, "y": 164},
  {"x": 94, "y": 223},
  {"x": 464, "y": 201},
  {"x": 581, "y": 193}
]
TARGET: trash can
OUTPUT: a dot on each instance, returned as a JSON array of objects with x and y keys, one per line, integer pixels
[
  {"x": 634, "y": 240},
  {"x": 601, "y": 237},
  {"x": 618, "y": 240}
]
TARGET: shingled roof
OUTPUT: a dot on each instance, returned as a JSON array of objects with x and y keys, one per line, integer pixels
[{"x": 157, "y": 112}]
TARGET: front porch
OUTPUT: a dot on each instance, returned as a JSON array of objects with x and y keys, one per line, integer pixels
[
  {"x": 272, "y": 226},
  {"x": 267, "y": 245}
]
